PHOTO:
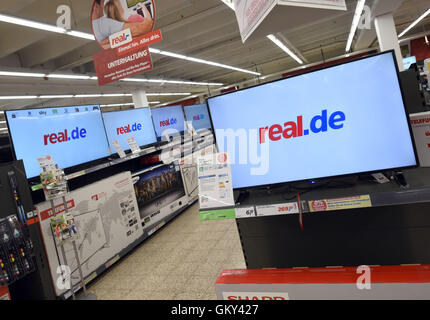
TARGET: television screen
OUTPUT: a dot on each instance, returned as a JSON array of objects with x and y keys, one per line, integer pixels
[
  {"x": 408, "y": 61},
  {"x": 168, "y": 119},
  {"x": 198, "y": 115},
  {"x": 71, "y": 135},
  {"x": 344, "y": 119},
  {"x": 136, "y": 123}
]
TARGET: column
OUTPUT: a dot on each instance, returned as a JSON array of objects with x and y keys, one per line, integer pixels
[
  {"x": 387, "y": 36},
  {"x": 139, "y": 99}
]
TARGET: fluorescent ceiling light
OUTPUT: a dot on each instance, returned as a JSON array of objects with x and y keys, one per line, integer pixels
[
  {"x": 96, "y": 95},
  {"x": 2, "y": 121},
  {"x": 89, "y": 36},
  {"x": 22, "y": 74},
  {"x": 357, "y": 15},
  {"x": 172, "y": 81},
  {"x": 3, "y": 129},
  {"x": 31, "y": 24},
  {"x": 425, "y": 14},
  {"x": 284, "y": 48},
  {"x": 83, "y": 35},
  {"x": 116, "y": 105},
  {"x": 168, "y": 94},
  {"x": 68, "y": 76},
  {"x": 17, "y": 97},
  {"x": 58, "y": 96},
  {"x": 154, "y": 102},
  {"x": 216, "y": 64},
  {"x": 229, "y": 3}
]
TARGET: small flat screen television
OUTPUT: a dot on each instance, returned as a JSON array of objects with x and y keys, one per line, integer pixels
[
  {"x": 168, "y": 120},
  {"x": 71, "y": 135},
  {"x": 407, "y": 62},
  {"x": 198, "y": 115},
  {"x": 353, "y": 120},
  {"x": 121, "y": 125}
]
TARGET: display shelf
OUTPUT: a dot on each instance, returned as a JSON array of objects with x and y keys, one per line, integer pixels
[{"x": 124, "y": 252}]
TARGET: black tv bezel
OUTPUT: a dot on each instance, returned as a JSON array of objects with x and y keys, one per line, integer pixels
[
  {"x": 181, "y": 133},
  {"x": 340, "y": 175},
  {"x": 67, "y": 170},
  {"x": 128, "y": 151}
]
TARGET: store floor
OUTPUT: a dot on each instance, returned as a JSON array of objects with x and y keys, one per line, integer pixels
[{"x": 181, "y": 261}]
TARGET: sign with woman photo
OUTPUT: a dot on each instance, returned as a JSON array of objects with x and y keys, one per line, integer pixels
[{"x": 123, "y": 29}]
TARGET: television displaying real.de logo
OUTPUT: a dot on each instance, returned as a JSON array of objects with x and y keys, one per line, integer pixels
[
  {"x": 71, "y": 135},
  {"x": 121, "y": 125},
  {"x": 198, "y": 115},
  {"x": 168, "y": 120}
]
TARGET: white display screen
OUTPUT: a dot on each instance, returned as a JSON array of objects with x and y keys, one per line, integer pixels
[
  {"x": 136, "y": 123},
  {"x": 168, "y": 120},
  {"x": 71, "y": 135},
  {"x": 341, "y": 120},
  {"x": 198, "y": 115}
]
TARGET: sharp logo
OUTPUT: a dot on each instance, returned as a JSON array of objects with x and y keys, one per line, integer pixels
[
  {"x": 63, "y": 136},
  {"x": 129, "y": 128},
  {"x": 294, "y": 129},
  {"x": 120, "y": 38}
]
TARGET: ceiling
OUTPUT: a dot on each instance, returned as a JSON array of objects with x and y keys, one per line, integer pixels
[{"x": 205, "y": 29}]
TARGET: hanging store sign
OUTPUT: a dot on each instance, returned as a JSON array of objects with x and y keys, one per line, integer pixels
[
  {"x": 321, "y": 4},
  {"x": 124, "y": 30},
  {"x": 251, "y": 13}
]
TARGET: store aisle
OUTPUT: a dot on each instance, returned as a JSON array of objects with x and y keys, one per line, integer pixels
[{"x": 182, "y": 261}]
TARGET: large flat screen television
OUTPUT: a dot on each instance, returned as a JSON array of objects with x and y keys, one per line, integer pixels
[
  {"x": 71, "y": 135},
  {"x": 198, "y": 115},
  {"x": 121, "y": 125},
  {"x": 345, "y": 119},
  {"x": 168, "y": 120}
]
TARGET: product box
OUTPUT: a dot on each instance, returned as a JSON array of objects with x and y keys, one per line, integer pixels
[
  {"x": 421, "y": 128},
  {"x": 107, "y": 219}
]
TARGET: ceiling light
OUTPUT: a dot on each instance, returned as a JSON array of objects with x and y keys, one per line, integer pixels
[
  {"x": 96, "y": 95},
  {"x": 17, "y": 97},
  {"x": 172, "y": 81},
  {"x": 31, "y": 24},
  {"x": 22, "y": 74},
  {"x": 4, "y": 129},
  {"x": 168, "y": 94},
  {"x": 357, "y": 15},
  {"x": 425, "y": 14},
  {"x": 89, "y": 36},
  {"x": 64, "y": 96},
  {"x": 114, "y": 95},
  {"x": 183, "y": 57},
  {"x": 284, "y": 48},
  {"x": 1, "y": 122},
  {"x": 83, "y": 35},
  {"x": 68, "y": 76},
  {"x": 154, "y": 102},
  {"x": 116, "y": 105}
]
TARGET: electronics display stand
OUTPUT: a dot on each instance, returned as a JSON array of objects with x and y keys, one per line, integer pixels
[{"x": 84, "y": 295}]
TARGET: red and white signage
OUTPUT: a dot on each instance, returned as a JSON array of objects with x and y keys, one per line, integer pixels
[
  {"x": 124, "y": 31},
  {"x": 404, "y": 282},
  {"x": 421, "y": 128}
]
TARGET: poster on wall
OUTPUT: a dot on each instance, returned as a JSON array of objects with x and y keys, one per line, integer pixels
[
  {"x": 106, "y": 216},
  {"x": 124, "y": 30}
]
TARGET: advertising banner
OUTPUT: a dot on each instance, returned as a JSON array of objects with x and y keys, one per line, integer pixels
[
  {"x": 124, "y": 30},
  {"x": 321, "y": 4},
  {"x": 340, "y": 203},
  {"x": 421, "y": 127},
  {"x": 107, "y": 218},
  {"x": 250, "y": 14}
]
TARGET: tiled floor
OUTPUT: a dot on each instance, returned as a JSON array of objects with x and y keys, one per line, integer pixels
[{"x": 181, "y": 261}]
